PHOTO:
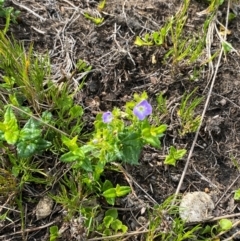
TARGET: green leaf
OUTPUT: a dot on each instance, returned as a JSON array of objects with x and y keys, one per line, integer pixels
[
  {"x": 10, "y": 127},
  {"x": 107, "y": 221},
  {"x": 42, "y": 144},
  {"x": 29, "y": 134},
  {"x": 141, "y": 42},
  {"x": 169, "y": 160},
  {"x": 70, "y": 143},
  {"x": 150, "y": 137},
  {"x": 95, "y": 20},
  {"x": 69, "y": 157},
  {"x": 124, "y": 228},
  {"x": 25, "y": 149},
  {"x": 110, "y": 201},
  {"x": 47, "y": 117},
  {"x": 53, "y": 233},
  {"x": 11, "y": 136},
  {"x": 85, "y": 164},
  {"x": 106, "y": 185},
  {"x": 131, "y": 147},
  {"x": 225, "y": 224},
  {"x": 174, "y": 155},
  {"x": 131, "y": 154},
  {"x": 28, "y": 148},
  {"x": 122, "y": 190},
  {"x": 237, "y": 195},
  {"x": 179, "y": 154},
  {"x": 76, "y": 111},
  {"x": 101, "y": 5},
  {"x": 110, "y": 193},
  {"x": 160, "y": 130},
  {"x": 116, "y": 225},
  {"x": 32, "y": 124},
  {"x": 227, "y": 47},
  {"x": 112, "y": 212}
]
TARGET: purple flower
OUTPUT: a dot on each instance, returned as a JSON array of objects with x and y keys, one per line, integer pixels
[
  {"x": 142, "y": 110},
  {"x": 107, "y": 117}
]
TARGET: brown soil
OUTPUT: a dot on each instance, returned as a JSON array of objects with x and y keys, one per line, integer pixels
[{"x": 120, "y": 69}]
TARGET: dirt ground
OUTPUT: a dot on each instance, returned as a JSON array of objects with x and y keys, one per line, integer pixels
[{"x": 120, "y": 69}]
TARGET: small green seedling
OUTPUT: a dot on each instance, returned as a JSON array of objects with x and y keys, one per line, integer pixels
[
  {"x": 174, "y": 155},
  {"x": 111, "y": 193},
  {"x": 162, "y": 104},
  {"x": 101, "y": 5},
  {"x": 237, "y": 195},
  {"x": 223, "y": 226},
  {"x": 155, "y": 38},
  {"x": 95, "y": 20},
  {"x": 54, "y": 233},
  {"x": 111, "y": 224},
  {"x": 186, "y": 112}
]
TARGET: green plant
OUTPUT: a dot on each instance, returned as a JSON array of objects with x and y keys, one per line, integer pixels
[
  {"x": 101, "y": 5},
  {"x": 24, "y": 74},
  {"x": 186, "y": 113},
  {"x": 174, "y": 155},
  {"x": 111, "y": 193},
  {"x": 95, "y": 20},
  {"x": 162, "y": 104},
  {"x": 113, "y": 140},
  {"x": 111, "y": 224},
  {"x": 53, "y": 233},
  {"x": 8, "y": 13},
  {"x": 156, "y": 37},
  {"x": 28, "y": 140},
  {"x": 185, "y": 47},
  {"x": 165, "y": 224}
]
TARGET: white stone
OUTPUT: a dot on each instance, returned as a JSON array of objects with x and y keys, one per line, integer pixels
[{"x": 196, "y": 207}]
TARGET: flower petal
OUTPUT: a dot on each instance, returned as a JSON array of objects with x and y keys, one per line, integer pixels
[
  {"x": 107, "y": 117},
  {"x": 142, "y": 110}
]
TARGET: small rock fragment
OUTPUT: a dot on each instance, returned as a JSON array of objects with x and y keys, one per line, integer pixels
[
  {"x": 196, "y": 207},
  {"x": 44, "y": 207}
]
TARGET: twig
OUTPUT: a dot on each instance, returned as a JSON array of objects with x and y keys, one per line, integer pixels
[
  {"x": 29, "y": 10},
  {"x": 27, "y": 230}
]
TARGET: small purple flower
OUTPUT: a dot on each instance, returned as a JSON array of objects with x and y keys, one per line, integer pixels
[
  {"x": 107, "y": 117},
  {"x": 142, "y": 110}
]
